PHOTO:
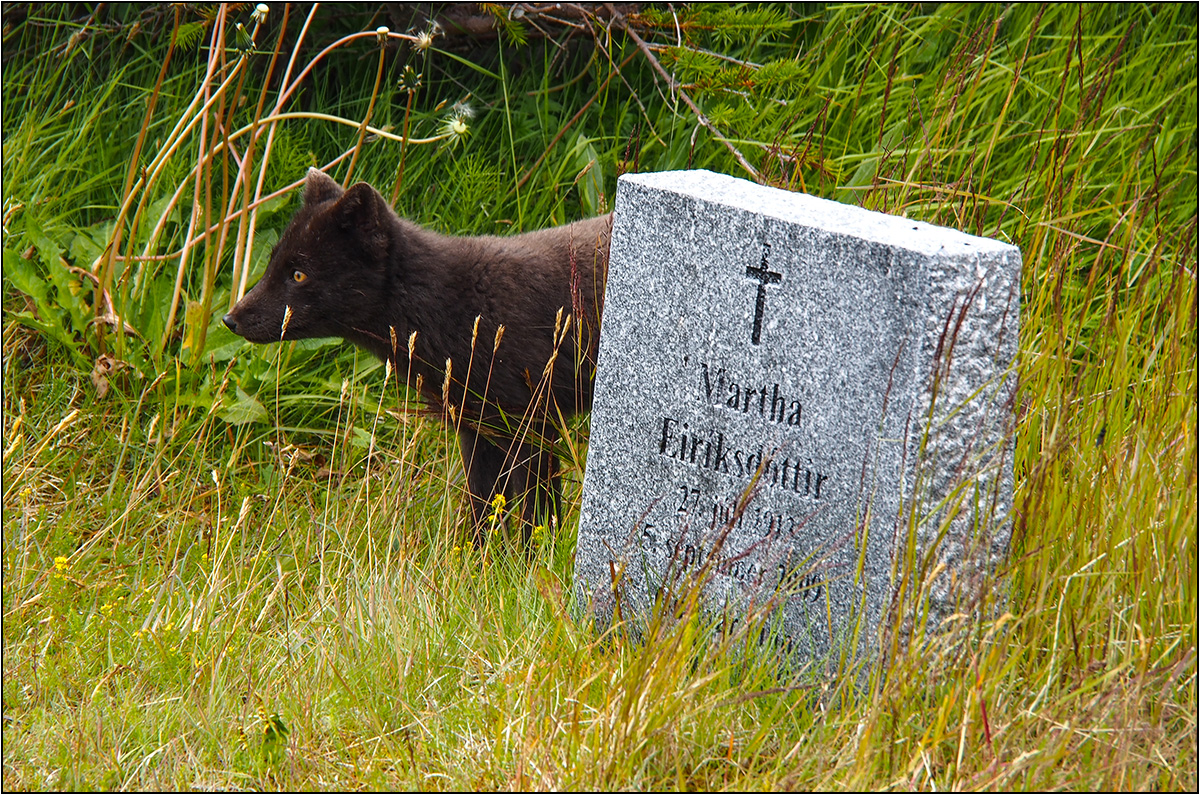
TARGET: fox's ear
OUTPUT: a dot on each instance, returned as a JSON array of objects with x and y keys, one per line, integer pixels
[
  {"x": 362, "y": 210},
  {"x": 320, "y": 187},
  {"x": 360, "y": 207}
]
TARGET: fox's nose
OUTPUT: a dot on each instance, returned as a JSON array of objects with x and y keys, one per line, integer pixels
[{"x": 230, "y": 323}]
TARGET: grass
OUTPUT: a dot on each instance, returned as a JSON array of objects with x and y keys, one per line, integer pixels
[{"x": 245, "y": 567}]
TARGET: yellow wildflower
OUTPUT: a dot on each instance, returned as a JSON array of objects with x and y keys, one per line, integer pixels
[{"x": 498, "y": 504}]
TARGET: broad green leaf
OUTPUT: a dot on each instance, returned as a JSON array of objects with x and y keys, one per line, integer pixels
[
  {"x": 24, "y": 276},
  {"x": 192, "y": 324},
  {"x": 244, "y": 409}
]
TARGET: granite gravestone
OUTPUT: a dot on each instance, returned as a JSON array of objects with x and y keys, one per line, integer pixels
[{"x": 788, "y": 391}]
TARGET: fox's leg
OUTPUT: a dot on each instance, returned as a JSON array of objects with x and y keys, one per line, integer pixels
[
  {"x": 521, "y": 471},
  {"x": 484, "y": 465},
  {"x": 537, "y": 483}
]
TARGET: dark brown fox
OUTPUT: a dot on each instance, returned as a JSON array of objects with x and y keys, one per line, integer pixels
[{"x": 506, "y": 328}]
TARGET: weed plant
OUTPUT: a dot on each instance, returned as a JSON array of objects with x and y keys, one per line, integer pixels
[{"x": 245, "y": 567}]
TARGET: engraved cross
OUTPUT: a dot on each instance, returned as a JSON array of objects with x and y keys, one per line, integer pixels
[{"x": 764, "y": 278}]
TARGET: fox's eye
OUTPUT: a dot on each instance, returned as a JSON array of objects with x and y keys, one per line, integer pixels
[{"x": 298, "y": 276}]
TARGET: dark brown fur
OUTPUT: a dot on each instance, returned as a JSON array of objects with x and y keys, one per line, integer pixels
[{"x": 374, "y": 279}]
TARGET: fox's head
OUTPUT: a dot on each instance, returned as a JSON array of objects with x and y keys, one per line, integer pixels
[{"x": 329, "y": 268}]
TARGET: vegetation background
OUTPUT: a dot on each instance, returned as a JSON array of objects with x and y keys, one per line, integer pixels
[{"x": 247, "y": 567}]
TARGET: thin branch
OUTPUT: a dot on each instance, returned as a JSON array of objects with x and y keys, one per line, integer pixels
[{"x": 676, "y": 89}]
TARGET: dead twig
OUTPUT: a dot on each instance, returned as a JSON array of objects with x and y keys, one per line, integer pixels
[{"x": 676, "y": 89}]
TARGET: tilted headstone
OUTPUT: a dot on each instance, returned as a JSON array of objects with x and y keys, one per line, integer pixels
[{"x": 788, "y": 391}]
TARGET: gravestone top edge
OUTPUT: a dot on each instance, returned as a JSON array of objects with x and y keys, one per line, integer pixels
[{"x": 807, "y": 210}]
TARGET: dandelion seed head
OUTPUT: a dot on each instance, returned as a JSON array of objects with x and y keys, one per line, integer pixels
[{"x": 425, "y": 38}]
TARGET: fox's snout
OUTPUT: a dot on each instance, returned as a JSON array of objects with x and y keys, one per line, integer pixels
[{"x": 254, "y": 321}]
